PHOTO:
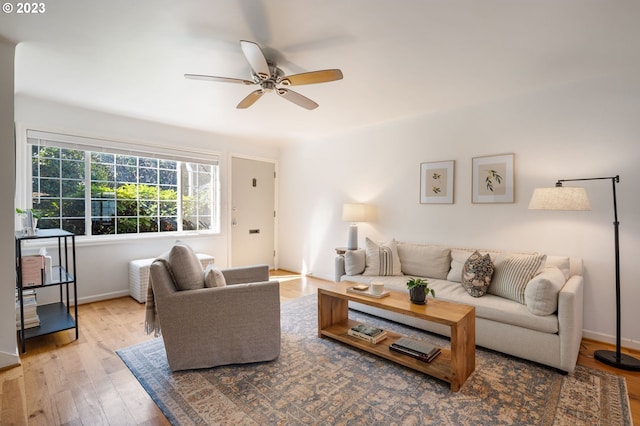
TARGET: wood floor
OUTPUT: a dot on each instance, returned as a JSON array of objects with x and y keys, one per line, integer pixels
[{"x": 63, "y": 381}]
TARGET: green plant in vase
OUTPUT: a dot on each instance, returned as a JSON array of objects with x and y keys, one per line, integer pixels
[
  {"x": 29, "y": 220},
  {"x": 418, "y": 290}
]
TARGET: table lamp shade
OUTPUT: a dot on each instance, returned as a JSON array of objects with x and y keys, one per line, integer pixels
[
  {"x": 354, "y": 212},
  {"x": 559, "y": 198}
]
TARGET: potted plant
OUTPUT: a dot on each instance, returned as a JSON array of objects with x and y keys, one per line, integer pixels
[
  {"x": 29, "y": 220},
  {"x": 418, "y": 290}
]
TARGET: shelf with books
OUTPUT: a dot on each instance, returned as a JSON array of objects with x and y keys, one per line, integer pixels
[
  {"x": 37, "y": 273},
  {"x": 439, "y": 367}
]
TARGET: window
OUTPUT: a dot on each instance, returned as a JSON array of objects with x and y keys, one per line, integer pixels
[{"x": 90, "y": 189}]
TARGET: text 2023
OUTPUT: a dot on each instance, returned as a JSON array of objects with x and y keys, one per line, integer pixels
[{"x": 30, "y": 8}]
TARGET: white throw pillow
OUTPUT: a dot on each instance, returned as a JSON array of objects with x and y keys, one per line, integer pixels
[
  {"x": 354, "y": 262},
  {"x": 512, "y": 273},
  {"x": 422, "y": 260},
  {"x": 382, "y": 259},
  {"x": 213, "y": 277},
  {"x": 541, "y": 293}
]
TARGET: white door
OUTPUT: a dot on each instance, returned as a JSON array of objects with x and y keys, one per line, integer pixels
[{"x": 252, "y": 212}]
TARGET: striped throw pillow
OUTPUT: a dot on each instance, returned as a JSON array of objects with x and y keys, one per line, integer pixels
[
  {"x": 512, "y": 273},
  {"x": 382, "y": 259}
]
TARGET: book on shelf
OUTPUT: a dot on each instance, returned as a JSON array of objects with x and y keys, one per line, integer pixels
[
  {"x": 369, "y": 333},
  {"x": 415, "y": 348},
  {"x": 30, "y": 309},
  {"x": 32, "y": 268}
]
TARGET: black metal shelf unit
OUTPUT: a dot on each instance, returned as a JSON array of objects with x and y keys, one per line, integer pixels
[{"x": 56, "y": 316}]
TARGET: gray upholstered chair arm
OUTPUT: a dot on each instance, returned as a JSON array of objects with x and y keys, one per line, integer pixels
[{"x": 246, "y": 274}]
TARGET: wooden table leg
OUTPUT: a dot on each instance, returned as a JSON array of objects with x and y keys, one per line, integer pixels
[
  {"x": 331, "y": 310},
  {"x": 463, "y": 350}
]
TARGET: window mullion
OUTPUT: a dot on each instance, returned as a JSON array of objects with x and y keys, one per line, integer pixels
[
  {"x": 87, "y": 193},
  {"x": 179, "y": 218}
]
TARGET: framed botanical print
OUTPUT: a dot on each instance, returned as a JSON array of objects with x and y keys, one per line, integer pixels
[
  {"x": 436, "y": 182},
  {"x": 492, "y": 179}
]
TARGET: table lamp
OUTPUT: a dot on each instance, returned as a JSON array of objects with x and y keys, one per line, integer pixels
[
  {"x": 572, "y": 198},
  {"x": 354, "y": 213}
]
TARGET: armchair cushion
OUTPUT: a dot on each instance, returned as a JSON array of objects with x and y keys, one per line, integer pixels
[{"x": 185, "y": 268}]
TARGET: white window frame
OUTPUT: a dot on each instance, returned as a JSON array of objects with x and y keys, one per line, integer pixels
[{"x": 85, "y": 143}]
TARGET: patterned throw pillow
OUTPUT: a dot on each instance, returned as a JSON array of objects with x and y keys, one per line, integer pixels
[
  {"x": 512, "y": 273},
  {"x": 477, "y": 273},
  {"x": 382, "y": 259}
]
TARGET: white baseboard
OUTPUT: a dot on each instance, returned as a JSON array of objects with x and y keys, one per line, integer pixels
[
  {"x": 606, "y": 338},
  {"x": 9, "y": 359},
  {"x": 104, "y": 296}
]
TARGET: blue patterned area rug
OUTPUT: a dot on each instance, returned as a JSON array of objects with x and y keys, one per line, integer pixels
[{"x": 323, "y": 382}]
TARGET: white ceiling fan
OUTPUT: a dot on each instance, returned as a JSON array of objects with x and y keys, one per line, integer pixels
[{"x": 270, "y": 78}]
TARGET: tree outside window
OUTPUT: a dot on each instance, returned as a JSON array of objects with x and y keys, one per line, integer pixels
[{"x": 126, "y": 194}]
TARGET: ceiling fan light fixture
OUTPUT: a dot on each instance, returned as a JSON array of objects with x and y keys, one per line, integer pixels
[{"x": 268, "y": 76}]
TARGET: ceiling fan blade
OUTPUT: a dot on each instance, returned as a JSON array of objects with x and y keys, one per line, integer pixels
[
  {"x": 297, "y": 98},
  {"x": 220, "y": 79},
  {"x": 312, "y": 77},
  {"x": 256, "y": 59},
  {"x": 250, "y": 99}
]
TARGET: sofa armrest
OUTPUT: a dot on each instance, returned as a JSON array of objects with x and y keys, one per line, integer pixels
[
  {"x": 570, "y": 317},
  {"x": 339, "y": 270},
  {"x": 246, "y": 274}
]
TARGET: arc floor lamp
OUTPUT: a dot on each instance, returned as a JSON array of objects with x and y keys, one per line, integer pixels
[{"x": 574, "y": 198}]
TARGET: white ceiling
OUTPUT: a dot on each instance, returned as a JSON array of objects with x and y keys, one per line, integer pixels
[{"x": 400, "y": 58}]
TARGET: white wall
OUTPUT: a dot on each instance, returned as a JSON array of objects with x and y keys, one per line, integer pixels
[
  {"x": 586, "y": 129},
  {"x": 8, "y": 349},
  {"x": 103, "y": 267}
]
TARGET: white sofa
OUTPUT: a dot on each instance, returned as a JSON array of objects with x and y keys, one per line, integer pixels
[{"x": 546, "y": 328}]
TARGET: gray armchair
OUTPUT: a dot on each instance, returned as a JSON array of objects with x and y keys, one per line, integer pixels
[{"x": 235, "y": 324}]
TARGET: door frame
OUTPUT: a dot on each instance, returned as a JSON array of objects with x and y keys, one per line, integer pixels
[{"x": 230, "y": 157}]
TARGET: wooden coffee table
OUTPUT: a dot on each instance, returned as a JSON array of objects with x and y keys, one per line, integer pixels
[{"x": 454, "y": 365}]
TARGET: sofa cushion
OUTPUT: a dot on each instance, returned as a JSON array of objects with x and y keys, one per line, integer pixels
[
  {"x": 422, "y": 260},
  {"x": 541, "y": 293},
  {"x": 477, "y": 273},
  {"x": 512, "y": 273},
  {"x": 382, "y": 259},
  {"x": 354, "y": 262},
  {"x": 186, "y": 268},
  {"x": 213, "y": 277}
]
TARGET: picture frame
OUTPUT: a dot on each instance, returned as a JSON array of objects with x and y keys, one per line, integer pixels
[
  {"x": 436, "y": 182},
  {"x": 493, "y": 179}
]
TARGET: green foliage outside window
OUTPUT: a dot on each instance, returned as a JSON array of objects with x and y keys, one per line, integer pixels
[{"x": 127, "y": 194}]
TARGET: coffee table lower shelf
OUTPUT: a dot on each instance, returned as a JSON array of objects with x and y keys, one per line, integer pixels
[{"x": 439, "y": 368}]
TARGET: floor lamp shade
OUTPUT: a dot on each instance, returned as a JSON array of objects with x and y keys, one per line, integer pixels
[
  {"x": 560, "y": 198},
  {"x": 570, "y": 198},
  {"x": 354, "y": 213}
]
